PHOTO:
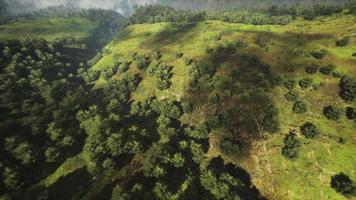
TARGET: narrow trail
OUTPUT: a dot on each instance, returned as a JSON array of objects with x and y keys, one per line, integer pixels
[{"x": 262, "y": 169}]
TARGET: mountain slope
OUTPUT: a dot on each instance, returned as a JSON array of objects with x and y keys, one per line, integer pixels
[{"x": 288, "y": 50}]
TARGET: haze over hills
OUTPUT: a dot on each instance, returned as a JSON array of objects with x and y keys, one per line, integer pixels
[{"x": 126, "y": 7}]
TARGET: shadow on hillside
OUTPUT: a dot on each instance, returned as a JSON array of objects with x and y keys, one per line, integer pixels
[{"x": 172, "y": 33}]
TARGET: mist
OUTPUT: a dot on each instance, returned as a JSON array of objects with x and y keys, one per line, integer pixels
[{"x": 126, "y": 7}]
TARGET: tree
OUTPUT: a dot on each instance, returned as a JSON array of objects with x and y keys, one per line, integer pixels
[
  {"x": 344, "y": 41},
  {"x": 327, "y": 70},
  {"x": 119, "y": 194},
  {"x": 350, "y": 113},
  {"x": 312, "y": 69},
  {"x": 289, "y": 84},
  {"x": 347, "y": 88},
  {"x": 318, "y": 53},
  {"x": 343, "y": 184},
  {"x": 12, "y": 179},
  {"x": 309, "y": 130},
  {"x": 305, "y": 83},
  {"x": 291, "y": 146},
  {"x": 299, "y": 107},
  {"x": 291, "y": 96},
  {"x": 331, "y": 112}
]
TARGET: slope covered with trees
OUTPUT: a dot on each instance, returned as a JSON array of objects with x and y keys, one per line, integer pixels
[{"x": 182, "y": 105}]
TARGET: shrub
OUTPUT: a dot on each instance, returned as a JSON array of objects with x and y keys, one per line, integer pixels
[
  {"x": 305, "y": 83},
  {"x": 347, "y": 88},
  {"x": 331, "y": 112},
  {"x": 354, "y": 54},
  {"x": 318, "y": 53},
  {"x": 309, "y": 130},
  {"x": 312, "y": 69},
  {"x": 327, "y": 70},
  {"x": 350, "y": 113},
  {"x": 290, "y": 84},
  {"x": 342, "y": 184},
  {"x": 291, "y": 146},
  {"x": 342, "y": 42},
  {"x": 291, "y": 96},
  {"x": 299, "y": 107}
]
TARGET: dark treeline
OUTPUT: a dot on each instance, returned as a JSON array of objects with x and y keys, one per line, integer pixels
[{"x": 273, "y": 15}]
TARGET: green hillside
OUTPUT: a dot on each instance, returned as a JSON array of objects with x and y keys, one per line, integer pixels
[
  {"x": 178, "y": 104},
  {"x": 287, "y": 49},
  {"x": 50, "y": 29}
]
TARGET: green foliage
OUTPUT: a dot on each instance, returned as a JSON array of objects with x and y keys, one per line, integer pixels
[
  {"x": 305, "y": 83},
  {"x": 291, "y": 96},
  {"x": 350, "y": 113},
  {"x": 347, "y": 88},
  {"x": 229, "y": 147},
  {"x": 12, "y": 179},
  {"x": 119, "y": 194},
  {"x": 344, "y": 41},
  {"x": 327, "y": 70},
  {"x": 318, "y": 53},
  {"x": 312, "y": 69},
  {"x": 331, "y": 112},
  {"x": 163, "y": 74},
  {"x": 309, "y": 130},
  {"x": 291, "y": 146},
  {"x": 299, "y": 107},
  {"x": 343, "y": 184},
  {"x": 289, "y": 84},
  {"x": 158, "y": 13}
]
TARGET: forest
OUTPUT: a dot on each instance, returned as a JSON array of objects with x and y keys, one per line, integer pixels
[{"x": 170, "y": 104}]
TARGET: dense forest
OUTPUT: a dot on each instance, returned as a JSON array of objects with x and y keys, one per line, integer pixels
[{"x": 53, "y": 109}]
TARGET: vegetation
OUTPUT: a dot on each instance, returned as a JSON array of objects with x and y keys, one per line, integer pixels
[
  {"x": 331, "y": 112},
  {"x": 309, "y": 130},
  {"x": 186, "y": 109},
  {"x": 343, "y": 184},
  {"x": 291, "y": 146}
]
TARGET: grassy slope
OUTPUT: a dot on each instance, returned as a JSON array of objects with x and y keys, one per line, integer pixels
[
  {"x": 49, "y": 29},
  {"x": 308, "y": 176}
]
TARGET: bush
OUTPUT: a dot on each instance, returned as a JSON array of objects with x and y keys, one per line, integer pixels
[
  {"x": 318, "y": 53},
  {"x": 299, "y": 107},
  {"x": 291, "y": 96},
  {"x": 312, "y": 69},
  {"x": 331, "y": 112},
  {"x": 342, "y": 184},
  {"x": 305, "y": 83},
  {"x": 290, "y": 84},
  {"x": 354, "y": 54},
  {"x": 327, "y": 70},
  {"x": 291, "y": 146},
  {"x": 350, "y": 113},
  {"x": 309, "y": 130},
  {"x": 347, "y": 88},
  {"x": 342, "y": 42}
]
